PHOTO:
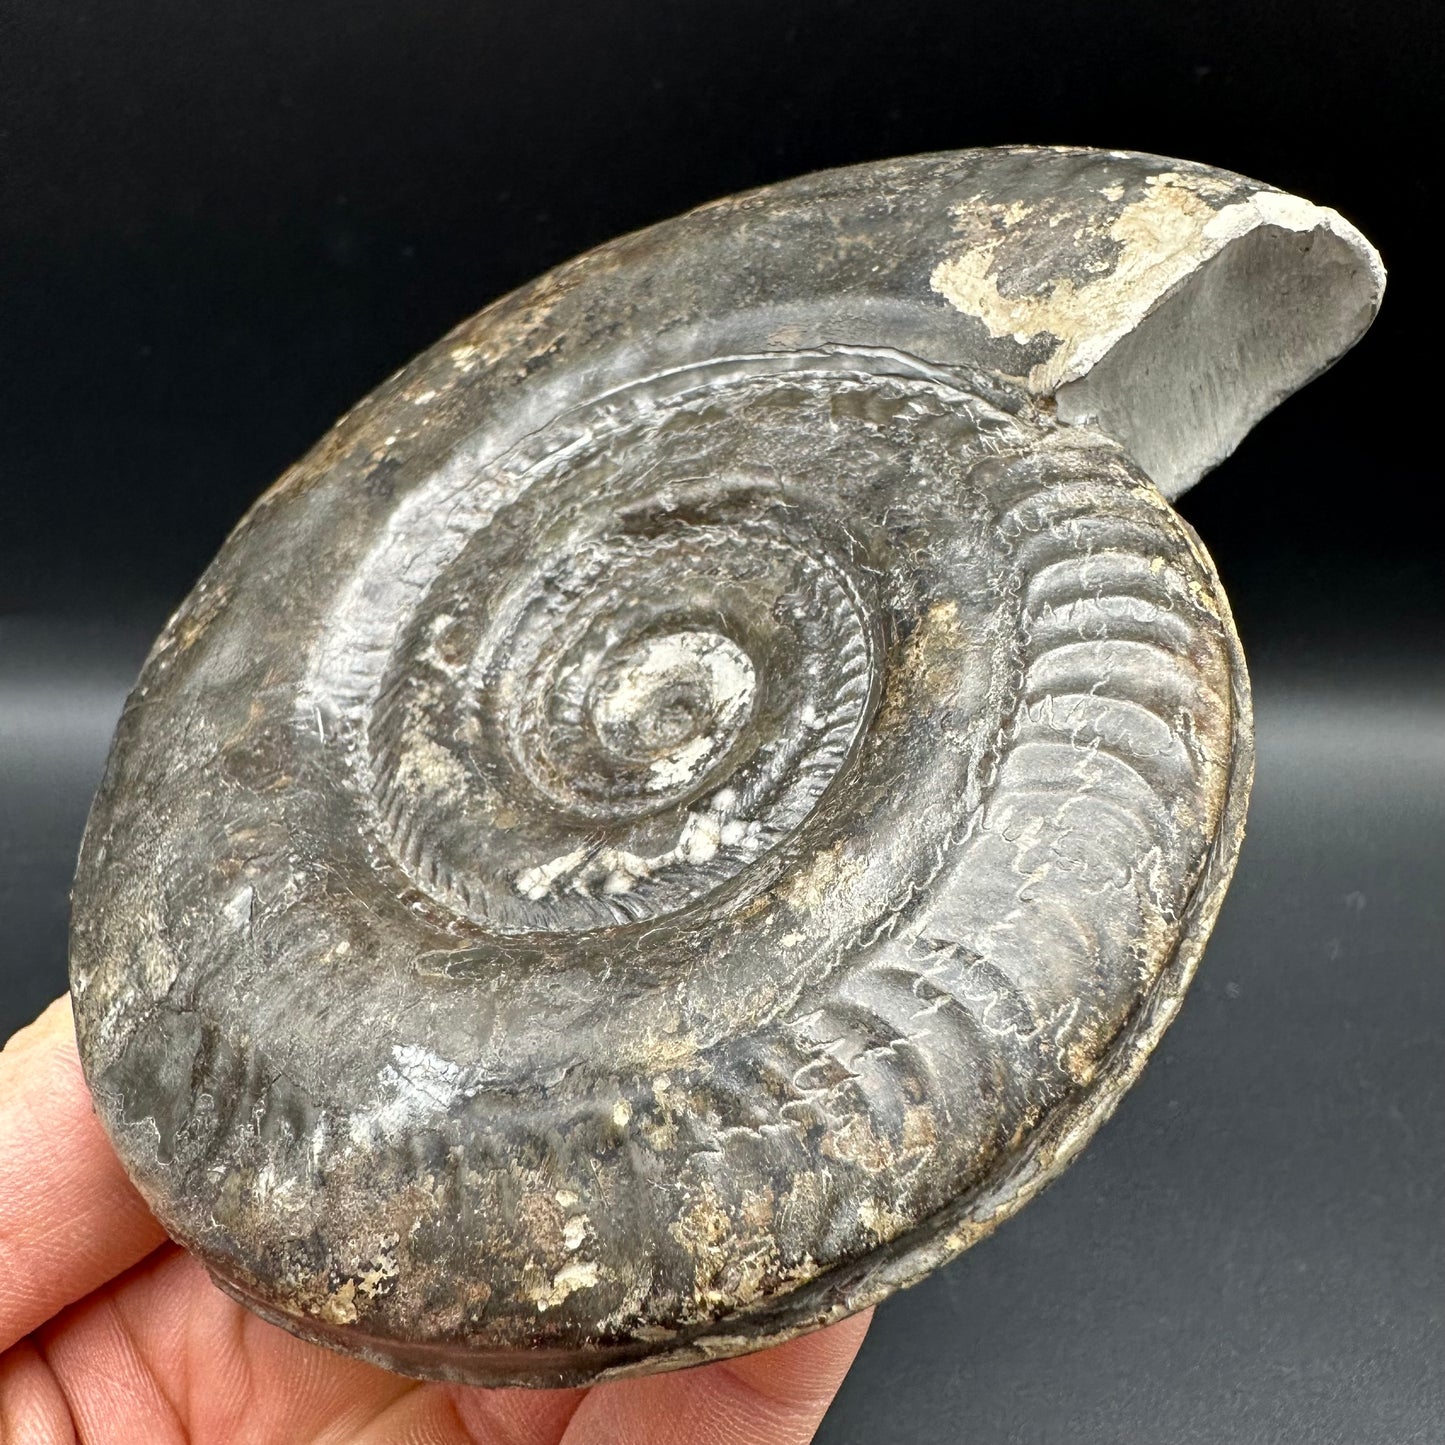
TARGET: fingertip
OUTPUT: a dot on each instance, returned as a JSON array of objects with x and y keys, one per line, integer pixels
[
  {"x": 69, "y": 1217},
  {"x": 777, "y": 1395},
  {"x": 806, "y": 1369},
  {"x": 55, "y": 1027}
]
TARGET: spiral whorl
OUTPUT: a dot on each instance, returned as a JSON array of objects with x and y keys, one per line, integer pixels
[{"x": 633, "y": 680}]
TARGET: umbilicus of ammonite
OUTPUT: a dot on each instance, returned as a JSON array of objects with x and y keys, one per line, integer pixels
[{"x": 692, "y": 803}]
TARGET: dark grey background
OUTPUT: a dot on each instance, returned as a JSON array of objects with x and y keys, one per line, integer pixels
[{"x": 220, "y": 224}]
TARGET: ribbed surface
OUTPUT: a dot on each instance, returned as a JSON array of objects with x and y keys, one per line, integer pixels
[{"x": 733, "y": 821}]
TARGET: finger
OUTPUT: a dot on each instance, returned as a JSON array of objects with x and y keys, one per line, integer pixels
[
  {"x": 163, "y": 1355},
  {"x": 109, "y": 1389},
  {"x": 774, "y": 1397},
  {"x": 457, "y": 1415},
  {"x": 69, "y": 1218},
  {"x": 32, "y": 1405}
]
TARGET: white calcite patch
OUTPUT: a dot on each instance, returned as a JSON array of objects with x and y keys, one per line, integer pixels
[{"x": 615, "y": 870}]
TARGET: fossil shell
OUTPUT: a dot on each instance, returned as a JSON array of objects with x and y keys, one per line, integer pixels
[{"x": 694, "y": 801}]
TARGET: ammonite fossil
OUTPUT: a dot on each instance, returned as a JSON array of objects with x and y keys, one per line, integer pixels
[{"x": 692, "y": 803}]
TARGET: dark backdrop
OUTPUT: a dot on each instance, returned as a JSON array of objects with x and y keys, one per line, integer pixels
[{"x": 221, "y": 223}]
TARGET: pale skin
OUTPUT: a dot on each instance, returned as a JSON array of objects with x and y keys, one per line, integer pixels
[{"x": 109, "y": 1332}]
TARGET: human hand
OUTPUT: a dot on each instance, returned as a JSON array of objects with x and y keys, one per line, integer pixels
[{"x": 110, "y": 1332}]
